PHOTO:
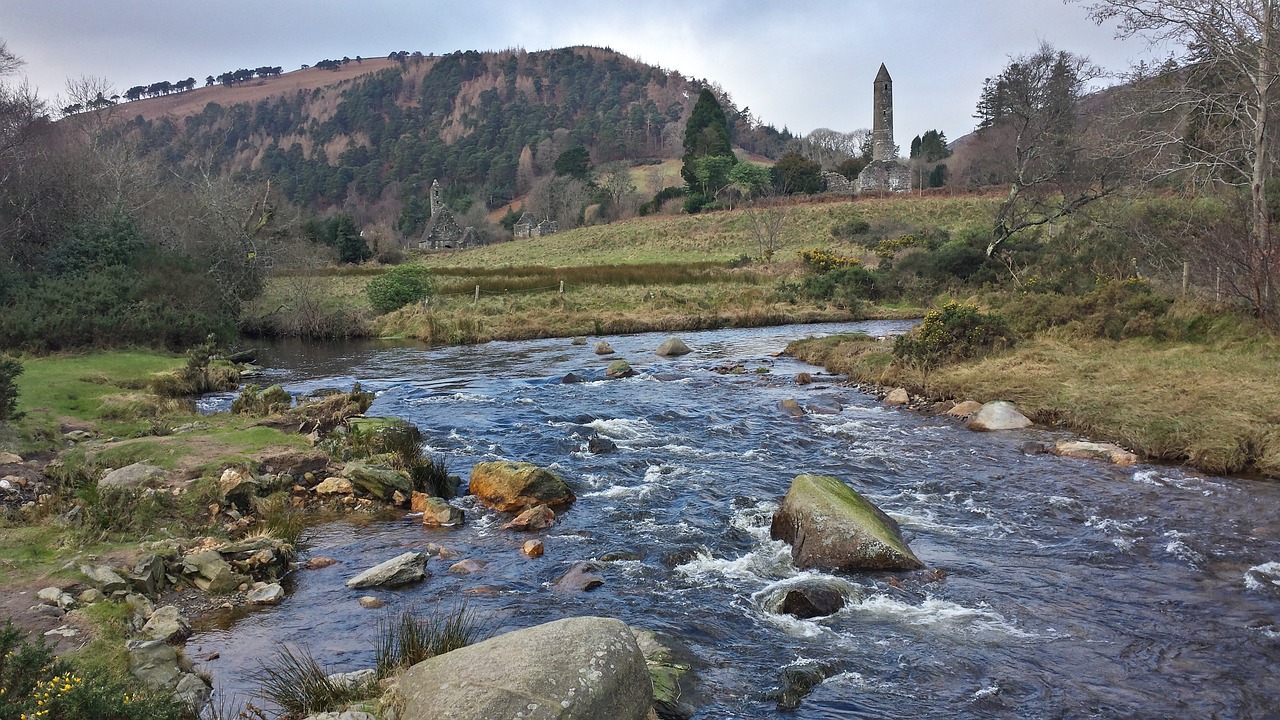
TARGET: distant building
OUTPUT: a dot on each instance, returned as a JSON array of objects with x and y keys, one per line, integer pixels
[
  {"x": 443, "y": 231},
  {"x": 528, "y": 227},
  {"x": 884, "y": 173}
]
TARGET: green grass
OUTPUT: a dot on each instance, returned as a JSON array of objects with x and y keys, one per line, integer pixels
[{"x": 74, "y": 386}]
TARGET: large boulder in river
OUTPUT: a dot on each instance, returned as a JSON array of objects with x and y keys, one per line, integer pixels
[
  {"x": 582, "y": 668},
  {"x": 518, "y": 486},
  {"x": 672, "y": 347},
  {"x": 399, "y": 570},
  {"x": 998, "y": 415},
  {"x": 619, "y": 369},
  {"x": 832, "y": 527}
]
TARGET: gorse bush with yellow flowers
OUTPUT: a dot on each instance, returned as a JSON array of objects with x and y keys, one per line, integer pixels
[{"x": 37, "y": 685}]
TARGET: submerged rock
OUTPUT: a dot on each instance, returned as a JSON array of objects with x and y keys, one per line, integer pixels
[
  {"x": 400, "y": 570},
  {"x": 583, "y": 668},
  {"x": 581, "y": 577},
  {"x": 600, "y": 445},
  {"x": 830, "y": 526},
  {"x": 533, "y": 548},
  {"x": 518, "y": 486},
  {"x": 812, "y": 598},
  {"x": 1106, "y": 452},
  {"x": 998, "y": 415},
  {"x": 437, "y": 512}
]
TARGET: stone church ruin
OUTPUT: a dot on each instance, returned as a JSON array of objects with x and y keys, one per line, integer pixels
[{"x": 443, "y": 231}]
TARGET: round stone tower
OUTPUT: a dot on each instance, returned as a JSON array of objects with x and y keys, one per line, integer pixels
[{"x": 882, "y": 146}]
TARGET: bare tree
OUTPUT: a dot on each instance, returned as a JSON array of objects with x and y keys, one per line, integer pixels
[
  {"x": 768, "y": 215},
  {"x": 832, "y": 147},
  {"x": 1211, "y": 110},
  {"x": 1056, "y": 164},
  {"x": 20, "y": 108}
]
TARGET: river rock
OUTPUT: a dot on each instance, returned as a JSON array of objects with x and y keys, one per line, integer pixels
[
  {"x": 139, "y": 474},
  {"x": 672, "y": 347},
  {"x": 192, "y": 690},
  {"x": 316, "y": 563},
  {"x": 535, "y": 518},
  {"x": 581, "y": 577},
  {"x": 148, "y": 575},
  {"x": 998, "y": 415},
  {"x": 518, "y": 486},
  {"x": 400, "y": 570},
  {"x": 832, "y": 527},
  {"x": 965, "y": 409},
  {"x": 104, "y": 578},
  {"x": 211, "y": 572},
  {"x": 238, "y": 486},
  {"x": 379, "y": 481},
  {"x": 355, "y": 678},
  {"x": 823, "y": 406},
  {"x": 603, "y": 348},
  {"x": 167, "y": 624},
  {"x": 335, "y": 486},
  {"x": 265, "y": 594},
  {"x": 584, "y": 668},
  {"x": 467, "y": 567},
  {"x": 898, "y": 396},
  {"x": 369, "y": 602},
  {"x": 572, "y": 379},
  {"x": 437, "y": 512},
  {"x": 1107, "y": 452},
  {"x": 799, "y": 680},
  {"x": 619, "y": 369},
  {"x": 533, "y": 548},
  {"x": 154, "y": 663},
  {"x": 803, "y": 378},
  {"x": 600, "y": 445},
  {"x": 578, "y": 340},
  {"x": 812, "y": 598},
  {"x": 668, "y": 664},
  {"x": 791, "y": 407}
]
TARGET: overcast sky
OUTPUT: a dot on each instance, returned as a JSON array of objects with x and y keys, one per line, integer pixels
[{"x": 802, "y": 64}]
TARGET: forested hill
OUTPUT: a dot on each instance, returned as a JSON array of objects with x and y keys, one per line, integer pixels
[{"x": 486, "y": 124}]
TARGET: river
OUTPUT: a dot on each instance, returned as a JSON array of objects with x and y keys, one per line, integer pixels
[{"x": 1056, "y": 588}]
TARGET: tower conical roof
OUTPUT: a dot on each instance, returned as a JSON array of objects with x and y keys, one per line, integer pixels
[{"x": 883, "y": 75}]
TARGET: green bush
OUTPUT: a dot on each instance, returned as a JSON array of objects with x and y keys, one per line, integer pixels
[
  {"x": 37, "y": 685},
  {"x": 254, "y": 401},
  {"x": 10, "y": 369},
  {"x": 951, "y": 333},
  {"x": 400, "y": 286}
]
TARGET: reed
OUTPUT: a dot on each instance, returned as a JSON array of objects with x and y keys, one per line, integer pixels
[
  {"x": 294, "y": 680},
  {"x": 409, "y": 638}
]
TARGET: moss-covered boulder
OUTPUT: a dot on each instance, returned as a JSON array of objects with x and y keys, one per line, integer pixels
[
  {"x": 831, "y": 527},
  {"x": 518, "y": 486},
  {"x": 377, "y": 480}
]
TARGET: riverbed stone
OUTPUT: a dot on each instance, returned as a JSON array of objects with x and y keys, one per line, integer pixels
[
  {"x": 369, "y": 602},
  {"x": 812, "y": 598},
  {"x": 437, "y": 512},
  {"x": 335, "y": 486},
  {"x": 518, "y": 486},
  {"x": 533, "y": 548},
  {"x": 831, "y": 527},
  {"x": 535, "y": 518},
  {"x": 619, "y": 369},
  {"x": 400, "y": 570},
  {"x": 1085, "y": 450},
  {"x": 583, "y": 668},
  {"x": 581, "y": 577},
  {"x": 898, "y": 396},
  {"x": 998, "y": 415},
  {"x": 139, "y": 474},
  {"x": 167, "y": 624},
  {"x": 265, "y": 594},
  {"x": 791, "y": 407},
  {"x": 965, "y": 409},
  {"x": 669, "y": 663},
  {"x": 469, "y": 566},
  {"x": 672, "y": 347},
  {"x": 603, "y": 348},
  {"x": 600, "y": 445},
  {"x": 104, "y": 578},
  {"x": 379, "y": 481}
]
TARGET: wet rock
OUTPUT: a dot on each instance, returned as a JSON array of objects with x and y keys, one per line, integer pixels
[
  {"x": 369, "y": 602},
  {"x": 533, "y": 548},
  {"x": 813, "y": 598},
  {"x": 619, "y": 369},
  {"x": 672, "y": 347},
  {"x": 1032, "y": 447},
  {"x": 898, "y": 396},
  {"x": 518, "y": 486},
  {"x": 965, "y": 409},
  {"x": 379, "y": 481},
  {"x": 600, "y": 445},
  {"x": 791, "y": 407},
  {"x": 316, "y": 563},
  {"x": 139, "y": 474},
  {"x": 823, "y": 406},
  {"x": 401, "y": 570},
  {"x": 104, "y": 578},
  {"x": 571, "y": 378},
  {"x": 467, "y": 567},
  {"x": 265, "y": 594},
  {"x": 578, "y": 341},
  {"x": 803, "y": 378},
  {"x": 238, "y": 487},
  {"x": 798, "y": 681},
  {"x": 998, "y": 415},
  {"x": 1083, "y": 450},
  {"x": 437, "y": 512},
  {"x": 603, "y": 348},
  {"x": 832, "y": 527},
  {"x": 535, "y": 518},
  {"x": 574, "y": 669},
  {"x": 668, "y": 672},
  {"x": 581, "y": 577},
  {"x": 167, "y": 624}
]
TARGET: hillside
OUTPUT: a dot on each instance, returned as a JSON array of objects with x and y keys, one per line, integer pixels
[{"x": 371, "y": 138}]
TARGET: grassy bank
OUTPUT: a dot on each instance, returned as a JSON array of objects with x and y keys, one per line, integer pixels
[{"x": 1211, "y": 405}]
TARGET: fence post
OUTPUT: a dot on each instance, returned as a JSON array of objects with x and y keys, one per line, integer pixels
[
  {"x": 477, "y": 298},
  {"x": 1186, "y": 276},
  {"x": 561, "y": 287}
]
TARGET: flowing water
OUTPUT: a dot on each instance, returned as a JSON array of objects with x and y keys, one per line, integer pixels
[{"x": 1057, "y": 587}]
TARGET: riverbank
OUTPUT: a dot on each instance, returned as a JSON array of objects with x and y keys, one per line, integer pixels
[{"x": 1210, "y": 405}]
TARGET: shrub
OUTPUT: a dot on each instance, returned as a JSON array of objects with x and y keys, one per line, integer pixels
[
  {"x": 953, "y": 332},
  {"x": 412, "y": 637},
  {"x": 253, "y": 401},
  {"x": 34, "y": 683},
  {"x": 400, "y": 286},
  {"x": 824, "y": 261},
  {"x": 10, "y": 369}
]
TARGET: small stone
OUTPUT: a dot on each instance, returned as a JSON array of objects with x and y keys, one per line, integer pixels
[
  {"x": 533, "y": 548},
  {"x": 467, "y": 567},
  {"x": 898, "y": 396},
  {"x": 8, "y": 458},
  {"x": 791, "y": 407},
  {"x": 603, "y": 348},
  {"x": 369, "y": 602},
  {"x": 535, "y": 518},
  {"x": 619, "y": 369},
  {"x": 316, "y": 563},
  {"x": 90, "y": 596},
  {"x": 803, "y": 378},
  {"x": 579, "y": 341},
  {"x": 270, "y": 594},
  {"x": 437, "y": 512},
  {"x": 672, "y": 347},
  {"x": 335, "y": 486}
]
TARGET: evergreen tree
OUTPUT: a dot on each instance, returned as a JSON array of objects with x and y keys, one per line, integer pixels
[{"x": 705, "y": 135}]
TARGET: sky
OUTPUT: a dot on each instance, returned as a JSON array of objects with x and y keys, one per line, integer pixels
[{"x": 799, "y": 64}]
